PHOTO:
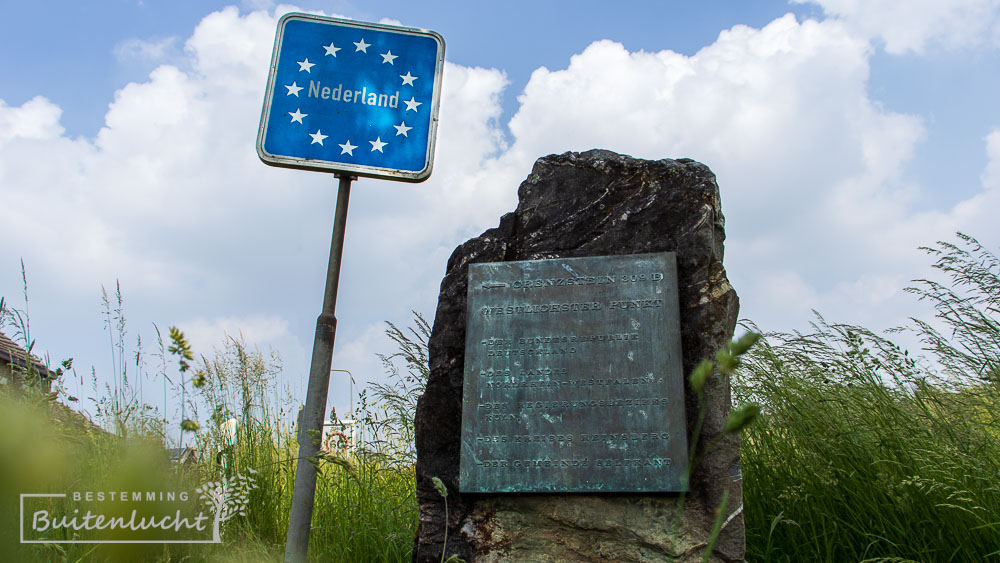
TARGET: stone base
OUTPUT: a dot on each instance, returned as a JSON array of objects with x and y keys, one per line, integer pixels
[{"x": 595, "y": 203}]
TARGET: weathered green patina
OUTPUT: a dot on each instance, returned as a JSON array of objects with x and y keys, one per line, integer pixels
[{"x": 573, "y": 376}]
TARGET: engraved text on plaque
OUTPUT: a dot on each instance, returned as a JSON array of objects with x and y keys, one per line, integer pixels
[{"x": 573, "y": 376}]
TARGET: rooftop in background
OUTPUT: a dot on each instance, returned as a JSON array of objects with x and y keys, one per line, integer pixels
[{"x": 11, "y": 354}]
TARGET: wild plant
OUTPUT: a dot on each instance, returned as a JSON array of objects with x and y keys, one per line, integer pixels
[
  {"x": 245, "y": 432},
  {"x": 968, "y": 307},
  {"x": 393, "y": 434},
  {"x": 182, "y": 349},
  {"x": 29, "y": 375},
  {"x": 724, "y": 365},
  {"x": 863, "y": 451},
  {"x": 372, "y": 513},
  {"x": 122, "y": 406}
]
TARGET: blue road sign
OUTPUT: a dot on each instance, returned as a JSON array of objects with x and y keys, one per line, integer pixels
[{"x": 352, "y": 97}]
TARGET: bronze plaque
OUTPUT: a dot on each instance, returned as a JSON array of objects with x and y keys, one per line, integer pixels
[{"x": 573, "y": 377}]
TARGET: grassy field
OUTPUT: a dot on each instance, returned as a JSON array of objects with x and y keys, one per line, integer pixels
[
  {"x": 365, "y": 507},
  {"x": 861, "y": 451}
]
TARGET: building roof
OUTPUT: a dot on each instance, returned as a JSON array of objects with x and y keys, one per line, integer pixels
[
  {"x": 13, "y": 354},
  {"x": 183, "y": 455}
]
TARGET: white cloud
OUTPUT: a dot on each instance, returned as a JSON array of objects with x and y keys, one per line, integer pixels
[
  {"x": 170, "y": 198},
  {"x": 38, "y": 118},
  {"x": 233, "y": 51},
  {"x": 780, "y": 114},
  {"x": 976, "y": 216},
  {"x": 991, "y": 176},
  {"x": 915, "y": 25},
  {"x": 358, "y": 357},
  {"x": 820, "y": 213},
  {"x": 146, "y": 50},
  {"x": 793, "y": 92},
  {"x": 258, "y": 5},
  {"x": 261, "y": 330}
]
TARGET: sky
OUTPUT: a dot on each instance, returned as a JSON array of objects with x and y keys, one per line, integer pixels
[{"x": 844, "y": 135}]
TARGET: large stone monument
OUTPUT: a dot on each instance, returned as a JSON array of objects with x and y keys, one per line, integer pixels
[{"x": 528, "y": 472}]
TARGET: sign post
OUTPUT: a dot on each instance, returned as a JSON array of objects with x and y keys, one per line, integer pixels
[{"x": 355, "y": 99}]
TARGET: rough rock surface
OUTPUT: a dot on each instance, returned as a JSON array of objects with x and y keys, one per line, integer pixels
[{"x": 594, "y": 203}]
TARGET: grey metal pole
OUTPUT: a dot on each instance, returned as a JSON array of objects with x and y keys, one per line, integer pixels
[{"x": 311, "y": 420}]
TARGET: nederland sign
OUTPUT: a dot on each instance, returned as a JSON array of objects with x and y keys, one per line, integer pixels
[{"x": 353, "y": 98}]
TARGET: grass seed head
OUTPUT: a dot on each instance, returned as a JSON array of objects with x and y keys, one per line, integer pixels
[
  {"x": 439, "y": 485},
  {"x": 699, "y": 377}
]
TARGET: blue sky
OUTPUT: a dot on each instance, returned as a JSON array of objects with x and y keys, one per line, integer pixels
[
  {"x": 844, "y": 136},
  {"x": 79, "y": 58}
]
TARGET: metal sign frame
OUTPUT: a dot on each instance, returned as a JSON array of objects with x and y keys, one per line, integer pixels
[{"x": 279, "y": 156}]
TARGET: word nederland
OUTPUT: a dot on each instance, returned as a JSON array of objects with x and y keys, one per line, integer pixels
[{"x": 338, "y": 94}]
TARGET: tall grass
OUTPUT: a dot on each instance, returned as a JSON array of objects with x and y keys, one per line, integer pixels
[
  {"x": 365, "y": 507},
  {"x": 38, "y": 456},
  {"x": 862, "y": 452}
]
